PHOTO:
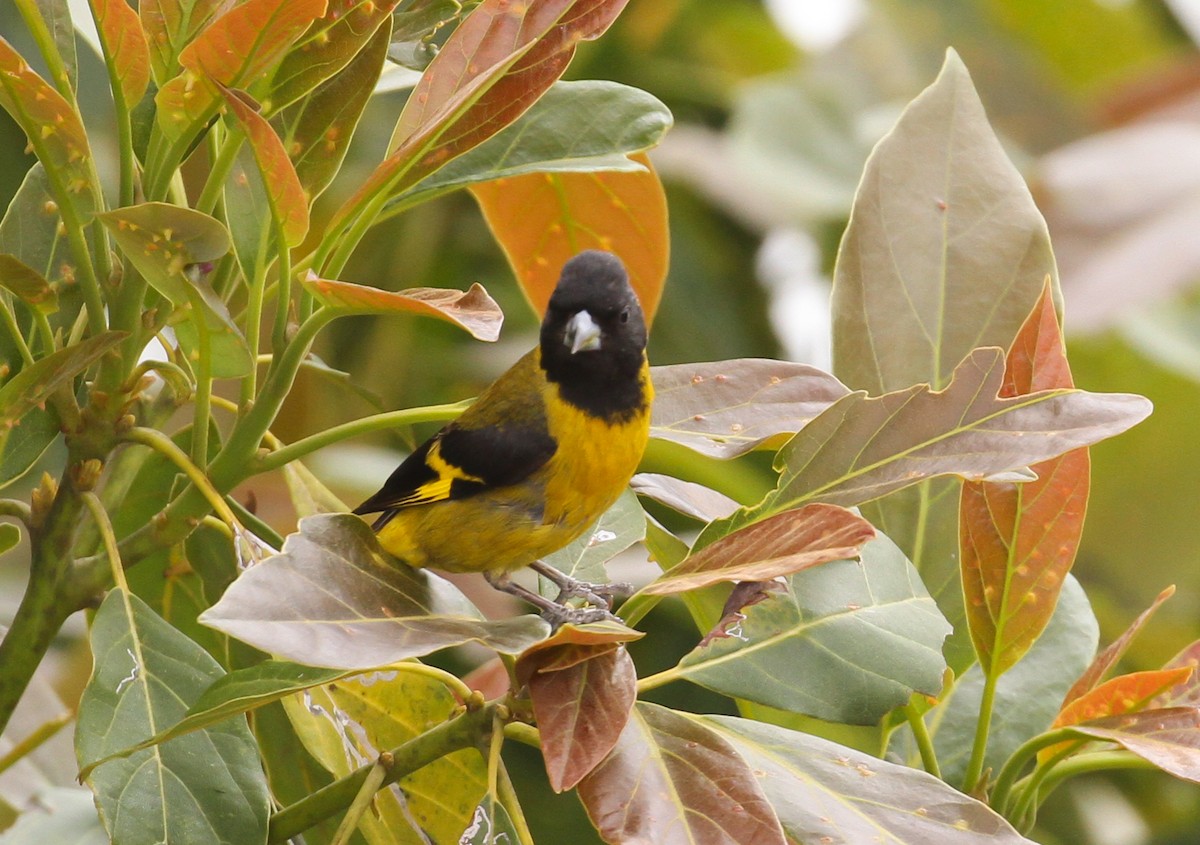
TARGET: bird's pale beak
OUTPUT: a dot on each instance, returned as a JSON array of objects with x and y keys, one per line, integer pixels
[{"x": 582, "y": 333}]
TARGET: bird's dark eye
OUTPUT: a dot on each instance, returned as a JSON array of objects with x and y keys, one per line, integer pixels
[{"x": 625, "y": 316}]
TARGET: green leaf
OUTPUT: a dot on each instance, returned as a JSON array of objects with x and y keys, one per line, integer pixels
[
  {"x": 125, "y": 46},
  {"x": 57, "y": 15},
  {"x": 783, "y": 544},
  {"x": 491, "y": 825},
  {"x": 847, "y": 641},
  {"x": 320, "y": 127},
  {"x": 329, "y": 46},
  {"x": 474, "y": 310},
  {"x": 30, "y": 229},
  {"x": 164, "y": 241},
  {"x": 36, "y": 383},
  {"x": 417, "y": 25},
  {"x": 26, "y": 442},
  {"x": 346, "y": 724},
  {"x": 618, "y": 528},
  {"x": 145, "y": 674},
  {"x": 825, "y": 792},
  {"x": 727, "y": 408},
  {"x": 862, "y": 448},
  {"x": 230, "y": 352},
  {"x": 559, "y": 134},
  {"x": 673, "y": 780},
  {"x": 10, "y": 535},
  {"x": 28, "y": 284},
  {"x": 335, "y": 598},
  {"x": 233, "y": 695},
  {"x": 1027, "y": 695}
]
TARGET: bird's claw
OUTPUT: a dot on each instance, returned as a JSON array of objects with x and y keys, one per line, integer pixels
[{"x": 561, "y": 614}]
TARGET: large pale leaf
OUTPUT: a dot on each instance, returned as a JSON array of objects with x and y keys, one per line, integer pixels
[
  {"x": 1168, "y": 738},
  {"x": 335, "y": 598},
  {"x": 846, "y": 641},
  {"x": 945, "y": 252},
  {"x": 863, "y": 447},
  {"x": 474, "y": 310},
  {"x": 125, "y": 46},
  {"x": 346, "y": 724},
  {"x": 559, "y": 134},
  {"x": 36, "y": 383},
  {"x": 828, "y": 793},
  {"x": 1018, "y": 541},
  {"x": 726, "y": 408},
  {"x": 672, "y": 780},
  {"x": 145, "y": 675},
  {"x": 164, "y": 241},
  {"x": 779, "y": 545},
  {"x": 63, "y": 815},
  {"x": 319, "y": 128},
  {"x": 1027, "y": 696},
  {"x": 492, "y": 68},
  {"x": 542, "y": 220},
  {"x": 583, "y": 558},
  {"x": 686, "y": 497}
]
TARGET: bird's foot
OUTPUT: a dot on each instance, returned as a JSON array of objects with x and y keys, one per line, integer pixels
[
  {"x": 558, "y": 612},
  {"x": 597, "y": 595}
]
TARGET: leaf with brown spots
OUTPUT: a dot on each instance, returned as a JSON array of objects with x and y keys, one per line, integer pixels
[
  {"x": 474, "y": 310},
  {"x": 1170, "y": 738}
]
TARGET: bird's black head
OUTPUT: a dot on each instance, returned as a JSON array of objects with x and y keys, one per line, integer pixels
[{"x": 594, "y": 336}]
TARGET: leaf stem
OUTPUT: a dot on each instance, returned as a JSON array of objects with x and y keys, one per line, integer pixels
[
  {"x": 376, "y": 422},
  {"x": 924, "y": 742},
  {"x": 202, "y": 398},
  {"x": 46, "y": 46},
  {"x": 512, "y": 804},
  {"x": 659, "y": 679},
  {"x": 1016, "y": 762},
  {"x": 371, "y": 784},
  {"x": 104, "y": 526},
  {"x": 451, "y": 680},
  {"x": 222, "y": 164},
  {"x": 166, "y": 446},
  {"x": 463, "y": 731},
  {"x": 16, "y": 509},
  {"x": 983, "y": 727}
]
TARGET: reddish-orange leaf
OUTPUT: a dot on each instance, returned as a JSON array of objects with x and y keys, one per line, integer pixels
[
  {"x": 492, "y": 68},
  {"x": 1109, "y": 656},
  {"x": 169, "y": 26},
  {"x": 50, "y": 122},
  {"x": 249, "y": 38},
  {"x": 581, "y": 710},
  {"x": 234, "y": 50},
  {"x": 328, "y": 46},
  {"x": 474, "y": 310},
  {"x": 543, "y": 219},
  {"x": 779, "y": 545},
  {"x": 124, "y": 45},
  {"x": 1115, "y": 697},
  {"x": 1018, "y": 541},
  {"x": 572, "y": 643},
  {"x": 284, "y": 192}
]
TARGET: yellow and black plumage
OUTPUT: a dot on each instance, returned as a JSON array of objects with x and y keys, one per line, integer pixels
[{"x": 543, "y": 452}]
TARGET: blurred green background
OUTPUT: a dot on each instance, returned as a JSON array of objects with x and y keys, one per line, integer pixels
[{"x": 777, "y": 104}]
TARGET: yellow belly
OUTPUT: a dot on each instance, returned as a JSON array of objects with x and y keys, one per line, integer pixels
[{"x": 510, "y": 527}]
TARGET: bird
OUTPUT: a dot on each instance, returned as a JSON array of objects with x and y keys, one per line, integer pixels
[{"x": 540, "y": 455}]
